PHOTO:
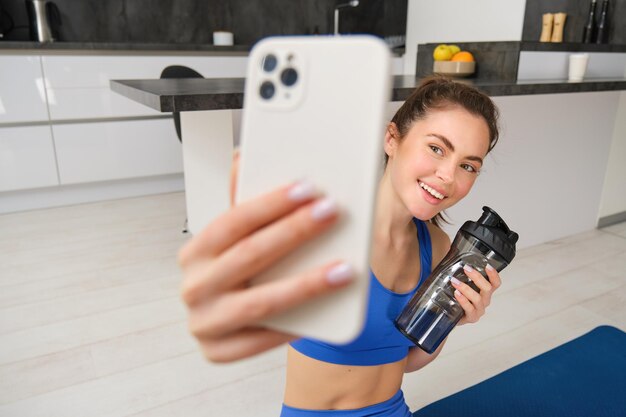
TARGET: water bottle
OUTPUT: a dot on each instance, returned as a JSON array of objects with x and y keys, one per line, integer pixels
[
  {"x": 603, "y": 24},
  {"x": 589, "y": 31},
  {"x": 433, "y": 311}
]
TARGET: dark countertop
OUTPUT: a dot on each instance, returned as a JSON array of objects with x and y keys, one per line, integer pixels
[
  {"x": 526, "y": 46},
  {"x": 139, "y": 46},
  {"x": 169, "y": 95},
  {"x": 95, "y": 48},
  {"x": 132, "y": 48},
  {"x": 570, "y": 47}
]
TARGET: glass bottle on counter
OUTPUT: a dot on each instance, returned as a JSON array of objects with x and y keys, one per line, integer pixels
[
  {"x": 589, "y": 31},
  {"x": 603, "y": 24}
]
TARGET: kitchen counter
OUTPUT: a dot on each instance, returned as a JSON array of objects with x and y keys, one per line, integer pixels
[
  {"x": 122, "y": 48},
  {"x": 131, "y": 48},
  {"x": 207, "y": 109},
  {"x": 227, "y": 93},
  {"x": 536, "y": 46}
]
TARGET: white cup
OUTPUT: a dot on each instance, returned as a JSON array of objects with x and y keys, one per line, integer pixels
[
  {"x": 223, "y": 38},
  {"x": 578, "y": 66}
]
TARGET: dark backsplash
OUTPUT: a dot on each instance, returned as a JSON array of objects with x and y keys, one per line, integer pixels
[
  {"x": 194, "y": 21},
  {"x": 577, "y": 11}
]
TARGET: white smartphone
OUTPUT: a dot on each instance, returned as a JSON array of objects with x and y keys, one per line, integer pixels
[{"x": 314, "y": 109}]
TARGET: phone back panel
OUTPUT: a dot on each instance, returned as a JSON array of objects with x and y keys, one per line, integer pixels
[{"x": 328, "y": 128}]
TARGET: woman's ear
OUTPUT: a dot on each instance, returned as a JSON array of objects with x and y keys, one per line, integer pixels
[
  {"x": 234, "y": 172},
  {"x": 391, "y": 139}
]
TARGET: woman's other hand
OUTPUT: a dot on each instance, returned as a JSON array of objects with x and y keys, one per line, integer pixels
[
  {"x": 474, "y": 303},
  {"x": 220, "y": 262}
]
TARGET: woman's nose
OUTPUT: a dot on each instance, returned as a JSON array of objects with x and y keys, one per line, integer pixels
[{"x": 445, "y": 172}]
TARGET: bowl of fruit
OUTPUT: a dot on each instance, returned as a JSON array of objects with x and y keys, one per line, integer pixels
[{"x": 450, "y": 60}]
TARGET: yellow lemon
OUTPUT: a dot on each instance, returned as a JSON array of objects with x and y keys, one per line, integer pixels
[
  {"x": 442, "y": 53},
  {"x": 454, "y": 49}
]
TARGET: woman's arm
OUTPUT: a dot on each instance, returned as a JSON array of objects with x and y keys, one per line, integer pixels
[
  {"x": 418, "y": 359},
  {"x": 440, "y": 243},
  {"x": 219, "y": 262}
]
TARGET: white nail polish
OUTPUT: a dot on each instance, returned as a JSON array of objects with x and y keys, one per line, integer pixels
[
  {"x": 490, "y": 268},
  {"x": 302, "y": 190},
  {"x": 324, "y": 209},
  {"x": 468, "y": 268},
  {"x": 340, "y": 274},
  {"x": 455, "y": 281}
]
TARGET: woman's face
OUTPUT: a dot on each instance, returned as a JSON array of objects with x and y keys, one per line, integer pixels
[{"x": 436, "y": 163}]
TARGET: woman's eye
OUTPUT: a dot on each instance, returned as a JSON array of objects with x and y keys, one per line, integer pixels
[
  {"x": 468, "y": 168},
  {"x": 436, "y": 149}
]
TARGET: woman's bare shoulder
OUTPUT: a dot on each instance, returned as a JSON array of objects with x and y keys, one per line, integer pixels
[{"x": 440, "y": 242}]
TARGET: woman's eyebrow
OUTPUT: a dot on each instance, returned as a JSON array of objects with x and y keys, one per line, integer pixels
[{"x": 450, "y": 146}]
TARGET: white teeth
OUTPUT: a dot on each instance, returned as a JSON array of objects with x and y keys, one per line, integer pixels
[{"x": 432, "y": 192}]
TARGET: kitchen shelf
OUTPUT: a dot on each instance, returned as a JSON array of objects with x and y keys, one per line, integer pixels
[
  {"x": 500, "y": 60},
  {"x": 132, "y": 48},
  {"x": 570, "y": 47},
  {"x": 122, "y": 48}
]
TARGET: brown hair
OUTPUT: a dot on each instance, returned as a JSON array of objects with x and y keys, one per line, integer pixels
[{"x": 437, "y": 93}]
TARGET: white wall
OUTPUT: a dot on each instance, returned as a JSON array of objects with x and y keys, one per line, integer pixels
[
  {"x": 546, "y": 174},
  {"x": 553, "y": 65},
  {"x": 614, "y": 190},
  {"x": 461, "y": 21},
  {"x": 492, "y": 20}
]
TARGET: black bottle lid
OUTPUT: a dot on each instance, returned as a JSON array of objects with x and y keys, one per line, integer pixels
[{"x": 493, "y": 232}]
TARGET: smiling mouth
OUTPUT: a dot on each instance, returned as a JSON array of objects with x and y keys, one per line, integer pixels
[{"x": 431, "y": 191}]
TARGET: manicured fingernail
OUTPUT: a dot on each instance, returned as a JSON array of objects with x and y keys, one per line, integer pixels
[
  {"x": 455, "y": 281},
  {"x": 340, "y": 274},
  {"x": 490, "y": 268},
  {"x": 458, "y": 293},
  {"x": 302, "y": 190},
  {"x": 468, "y": 268},
  {"x": 324, "y": 209}
]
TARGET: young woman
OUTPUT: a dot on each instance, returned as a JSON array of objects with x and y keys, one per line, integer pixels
[{"x": 434, "y": 146}]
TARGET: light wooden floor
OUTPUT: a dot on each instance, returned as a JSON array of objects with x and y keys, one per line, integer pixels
[{"x": 91, "y": 323}]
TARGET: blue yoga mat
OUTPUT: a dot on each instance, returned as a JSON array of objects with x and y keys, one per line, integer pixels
[{"x": 582, "y": 378}]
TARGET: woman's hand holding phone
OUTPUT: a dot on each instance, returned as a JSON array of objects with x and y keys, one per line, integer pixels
[
  {"x": 294, "y": 127},
  {"x": 220, "y": 262}
]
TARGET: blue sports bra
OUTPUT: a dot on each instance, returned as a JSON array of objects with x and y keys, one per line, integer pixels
[{"x": 379, "y": 342}]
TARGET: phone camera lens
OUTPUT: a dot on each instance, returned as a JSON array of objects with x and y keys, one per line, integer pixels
[
  {"x": 289, "y": 76},
  {"x": 269, "y": 63},
  {"x": 267, "y": 90}
]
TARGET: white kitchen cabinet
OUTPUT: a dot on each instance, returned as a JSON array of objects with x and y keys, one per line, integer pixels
[
  {"x": 88, "y": 152},
  {"x": 93, "y": 103},
  {"x": 78, "y": 86},
  {"x": 22, "y": 92},
  {"x": 26, "y": 158},
  {"x": 68, "y": 71},
  {"x": 73, "y": 130}
]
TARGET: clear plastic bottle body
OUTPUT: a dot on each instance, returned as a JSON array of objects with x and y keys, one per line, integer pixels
[{"x": 433, "y": 311}]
